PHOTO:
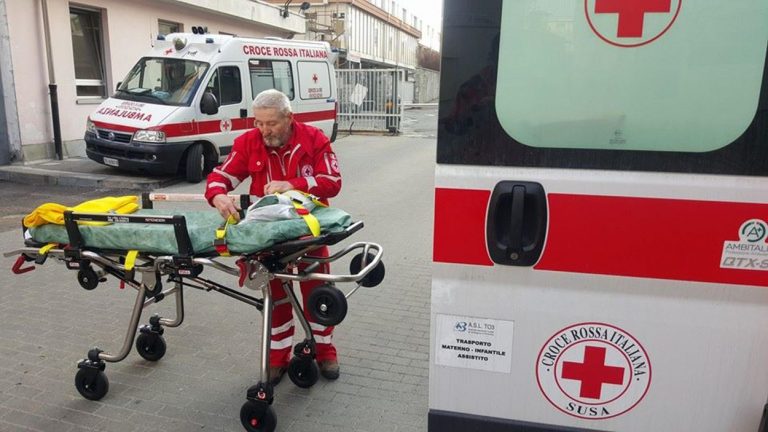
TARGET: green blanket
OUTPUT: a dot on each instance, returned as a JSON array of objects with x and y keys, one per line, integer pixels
[{"x": 158, "y": 238}]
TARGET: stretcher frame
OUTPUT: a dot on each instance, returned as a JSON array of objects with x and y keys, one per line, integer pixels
[{"x": 254, "y": 271}]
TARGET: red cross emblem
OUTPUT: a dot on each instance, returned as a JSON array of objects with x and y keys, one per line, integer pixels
[
  {"x": 168, "y": 51},
  {"x": 593, "y": 372},
  {"x": 314, "y": 78},
  {"x": 631, "y": 23}
]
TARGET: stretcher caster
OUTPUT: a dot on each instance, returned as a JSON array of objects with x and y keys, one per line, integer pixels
[
  {"x": 327, "y": 305},
  {"x": 303, "y": 372},
  {"x": 375, "y": 276},
  {"x": 258, "y": 417},
  {"x": 87, "y": 278},
  {"x": 150, "y": 344},
  {"x": 90, "y": 380}
]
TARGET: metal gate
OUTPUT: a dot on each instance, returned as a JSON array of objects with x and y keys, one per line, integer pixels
[{"x": 369, "y": 99}]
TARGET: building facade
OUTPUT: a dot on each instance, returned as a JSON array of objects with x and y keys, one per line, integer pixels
[{"x": 86, "y": 47}]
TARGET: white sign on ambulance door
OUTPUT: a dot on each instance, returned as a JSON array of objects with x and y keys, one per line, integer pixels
[{"x": 474, "y": 343}]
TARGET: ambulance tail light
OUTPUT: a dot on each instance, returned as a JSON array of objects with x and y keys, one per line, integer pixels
[
  {"x": 149, "y": 136},
  {"x": 90, "y": 127}
]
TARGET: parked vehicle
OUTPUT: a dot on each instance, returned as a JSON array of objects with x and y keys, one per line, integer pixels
[
  {"x": 601, "y": 215},
  {"x": 181, "y": 106}
]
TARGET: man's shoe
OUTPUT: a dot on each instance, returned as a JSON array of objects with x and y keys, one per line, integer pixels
[
  {"x": 329, "y": 369},
  {"x": 276, "y": 374}
]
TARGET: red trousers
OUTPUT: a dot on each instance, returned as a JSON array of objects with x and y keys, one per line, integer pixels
[{"x": 281, "y": 346}]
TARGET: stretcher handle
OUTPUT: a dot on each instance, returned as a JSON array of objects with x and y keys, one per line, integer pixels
[
  {"x": 147, "y": 198},
  {"x": 17, "y": 266}
]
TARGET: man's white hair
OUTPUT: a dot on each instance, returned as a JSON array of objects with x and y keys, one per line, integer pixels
[{"x": 272, "y": 99}]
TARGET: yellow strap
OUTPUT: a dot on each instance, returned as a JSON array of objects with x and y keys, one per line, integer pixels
[
  {"x": 44, "y": 250},
  {"x": 130, "y": 259},
  {"x": 309, "y": 219},
  {"x": 221, "y": 234}
]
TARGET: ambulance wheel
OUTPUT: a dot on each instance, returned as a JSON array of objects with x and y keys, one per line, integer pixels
[
  {"x": 92, "y": 385},
  {"x": 254, "y": 420},
  {"x": 327, "y": 305},
  {"x": 374, "y": 277},
  {"x": 195, "y": 163},
  {"x": 303, "y": 372},
  {"x": 87, "y": 278}
]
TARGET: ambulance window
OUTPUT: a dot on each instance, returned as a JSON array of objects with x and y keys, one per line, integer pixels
[
  {"x": 533, "y": 84},
  {"x": 226, "y": 85},
  {"x": 271, "y": 74},
  {"x": 581, "y": 89},
  {"x": 314, "y": 80}
]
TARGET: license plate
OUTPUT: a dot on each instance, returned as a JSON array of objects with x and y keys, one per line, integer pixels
[{"x": 111, "y": 162}]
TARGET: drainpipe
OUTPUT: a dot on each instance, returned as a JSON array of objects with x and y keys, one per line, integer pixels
[{"x": 52, "y": 87}]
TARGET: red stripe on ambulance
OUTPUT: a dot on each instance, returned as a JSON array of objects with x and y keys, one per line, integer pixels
[
  {"x": 460, "y": 226},
  {"x": 192, "y": 128},
  {"x": 622, "y": 236},
  {"x": 646, "y": 237}
]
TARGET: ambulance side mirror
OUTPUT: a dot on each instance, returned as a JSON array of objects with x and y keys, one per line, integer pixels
[
  {"x": 117, "y": 87},
  {"x": 208, "y": 104}
]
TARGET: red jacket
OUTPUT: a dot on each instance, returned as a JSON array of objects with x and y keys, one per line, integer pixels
[{"x": 306, "y": 161}]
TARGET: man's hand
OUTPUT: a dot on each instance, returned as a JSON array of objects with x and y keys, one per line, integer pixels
[
  {"x": 226, "y": 206},
  {"x": 277, "y": 186}
]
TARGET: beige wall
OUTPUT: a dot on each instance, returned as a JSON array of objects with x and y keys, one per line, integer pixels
[{"x": 129, "y": 27}]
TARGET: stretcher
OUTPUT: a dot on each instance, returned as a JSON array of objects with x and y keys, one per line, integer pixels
[{"x": 185, "y": 244}]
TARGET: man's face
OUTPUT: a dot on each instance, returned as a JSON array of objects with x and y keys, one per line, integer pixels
[{"x": 275, "y": 126}]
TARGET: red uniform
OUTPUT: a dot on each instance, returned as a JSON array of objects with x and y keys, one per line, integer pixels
[{"x": 309, "y": 164}]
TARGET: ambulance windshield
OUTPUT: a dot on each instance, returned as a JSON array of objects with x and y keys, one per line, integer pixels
[{"x": 163, "y": 81}]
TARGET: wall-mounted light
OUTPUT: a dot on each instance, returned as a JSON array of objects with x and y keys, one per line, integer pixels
[{"x": 284, "y": 11}]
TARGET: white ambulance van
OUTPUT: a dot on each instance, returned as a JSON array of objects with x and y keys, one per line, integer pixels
[
  {"x": 182, "y": 105},
  {"x": 601, "y": 216}
]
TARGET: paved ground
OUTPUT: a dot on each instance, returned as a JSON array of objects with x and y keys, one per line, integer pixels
[{"x": 49, "y": 323}]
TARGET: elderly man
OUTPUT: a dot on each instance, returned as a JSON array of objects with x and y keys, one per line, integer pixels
[{"x": 279, "y": 155}]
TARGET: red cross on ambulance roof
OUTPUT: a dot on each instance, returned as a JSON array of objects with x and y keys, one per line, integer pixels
[
  {"x": 593, "y": 372},
  {"x": 631, "y": 13}
]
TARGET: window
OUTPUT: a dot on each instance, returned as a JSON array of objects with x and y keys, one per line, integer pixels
[
  {"x": 164, "y": 81},
  {"x": 319, "y": 84},
  {"x": 168, "y": 27},
  {"x": 226, "y": 85},
  {"x": 88, "y": 51},
  {"x": 271, "y": 74}
]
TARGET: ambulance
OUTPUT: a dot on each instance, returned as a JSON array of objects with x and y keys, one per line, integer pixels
[
  {"x": 601, "y": 217},
  {"x": 181, "y": 106}
]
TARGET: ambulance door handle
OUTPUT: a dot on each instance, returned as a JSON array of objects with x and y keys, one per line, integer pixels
[
  {"x": 516, "y": 223},
  {"x": 243, "y": 113}
]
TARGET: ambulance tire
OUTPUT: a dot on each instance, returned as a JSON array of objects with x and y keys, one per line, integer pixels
[{"x": 195, "y": 163}]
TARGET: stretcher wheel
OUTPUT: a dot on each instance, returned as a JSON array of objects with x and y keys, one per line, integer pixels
[
  {"x": 327, "y": 305},
  {"x": 91, "y": 384},
  {"x": 150, "y": 346},
  {"x": 303, "y": 372},
  {"x": 374, "y": 277},
  {"x": 254, "y": 420},
  {"x": 87, "y": 278}
]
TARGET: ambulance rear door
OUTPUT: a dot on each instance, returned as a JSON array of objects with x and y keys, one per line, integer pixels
[{"x": 601, "y": 215}]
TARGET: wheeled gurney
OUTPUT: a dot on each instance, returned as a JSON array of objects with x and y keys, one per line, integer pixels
[{"x": 161, "y": 249}]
